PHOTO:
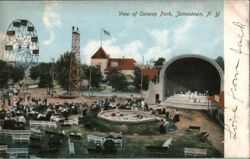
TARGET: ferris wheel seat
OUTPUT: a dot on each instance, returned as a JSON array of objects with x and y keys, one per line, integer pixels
[
  {"x": 11, "y": 33},
  {"x": 17, "y": 24},
  {"x": 30, "y": 28},
  {"x": 34, "y": 39},
  {"x": 36, "y": 51},
  {"x": 8, "y": 47},
  {"x": 24, "y": 22}
]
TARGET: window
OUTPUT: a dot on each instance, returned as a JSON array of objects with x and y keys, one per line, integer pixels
[{"x": 114, "y": 64}]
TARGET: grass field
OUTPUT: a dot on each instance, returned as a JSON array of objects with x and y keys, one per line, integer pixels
[{"x": 137, "y": 138}]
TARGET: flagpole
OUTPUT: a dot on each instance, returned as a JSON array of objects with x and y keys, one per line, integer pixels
[{"x": 101, "y": 36}]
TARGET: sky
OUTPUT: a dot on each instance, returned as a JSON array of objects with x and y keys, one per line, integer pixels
[{"x": 138, "y": 37}]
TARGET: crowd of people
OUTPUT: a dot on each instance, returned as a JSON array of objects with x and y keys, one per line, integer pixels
[
  {"x": 169, "y": 120},
  {"x": 28, "y": 108}
]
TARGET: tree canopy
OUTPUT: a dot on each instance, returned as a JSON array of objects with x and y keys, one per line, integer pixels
[
  {"x": 16, "y": 73},
  {"x": 62, "y": 68},
  {"x": 137, "y": 80},
  {"x": 220, "y": 62},
  {"x": 96, "y": 75},
  {"x": 117, "y": 80},
  {"x": 43, "y": 72},
  {"x": 159, "y": 62}
]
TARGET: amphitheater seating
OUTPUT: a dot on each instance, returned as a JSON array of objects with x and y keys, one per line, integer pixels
[{"x": 188, "y": 100}]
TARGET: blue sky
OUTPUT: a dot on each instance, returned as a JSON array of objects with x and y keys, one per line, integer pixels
[{"x": 132, "y": 37}]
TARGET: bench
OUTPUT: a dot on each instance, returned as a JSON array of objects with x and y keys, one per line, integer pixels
[
  {"x": 100, "y": 151},
  {"x": 36, "y": 132},
  {"x": 36, "y": 123},
  {"x": 54, "y": 133},
  {"x": 160, "y": 149},
  {"x": 21, "y": 138},
  {"x": 71, "y": 147},
  {"x": 3, "y": 148},
  {"x": 17, "y": 151},
  {"x": 6, "y": 132},
  {"x": 71, "y": 122},
  {"x": 195, "y": 152},
  {"x": 95, "y": 139},
  {"x": 192, "y": 127},
  {"x": 75, "y": 136},
  {"x": 118, "y": 142}
]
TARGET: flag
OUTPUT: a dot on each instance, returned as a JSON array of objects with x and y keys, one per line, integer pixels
[{"x": 106, "y": 32}]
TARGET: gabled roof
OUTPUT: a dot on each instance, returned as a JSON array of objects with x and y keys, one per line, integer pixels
[
  {"x": 123, "y": 64},
  {"x": 100, "y": 54}
]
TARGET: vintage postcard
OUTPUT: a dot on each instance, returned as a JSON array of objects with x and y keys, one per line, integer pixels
[{"x": 124, "y": 79}]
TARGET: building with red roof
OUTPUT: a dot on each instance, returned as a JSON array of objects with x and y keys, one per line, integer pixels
[{"x": 107, "y": 64}]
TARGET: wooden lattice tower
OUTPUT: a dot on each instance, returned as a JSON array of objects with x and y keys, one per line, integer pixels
[{"x": 74, "y": 73}]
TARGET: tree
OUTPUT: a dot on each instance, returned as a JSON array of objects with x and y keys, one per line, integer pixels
[
  {"x": 45, "y": 79},
  {"x": 159, "y": 62},
  {"x": 96, "y": 75},
  {"x": 16, "y": 73},
  {"x": 4, "y": 74},
  {"x": 220, "y": 61},
  {"x": 137, "y": 80},
  {"x": 117, "y": 80},
  {"x": 34, "y": 72},
  {"x": 62, "y": 68}
]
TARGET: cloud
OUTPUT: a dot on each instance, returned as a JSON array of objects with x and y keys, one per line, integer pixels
[
  {"x": 160, "y": 49},
  {"x": 134, "y": 49},
  {"x": 182, "y": 30},
  {"x": 160, "y": 36},
  {"x": 128, "y": 28},
  {"x": 130, "y": 50},
  {"x": 51, "y": 38},
  {"x": 50, "y": 19}
]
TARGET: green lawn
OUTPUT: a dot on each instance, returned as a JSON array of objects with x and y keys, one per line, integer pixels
[{"x": 134, "y": 142}]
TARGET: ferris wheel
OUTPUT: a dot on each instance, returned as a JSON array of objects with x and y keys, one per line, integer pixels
[{"x": 21, "y": 43}]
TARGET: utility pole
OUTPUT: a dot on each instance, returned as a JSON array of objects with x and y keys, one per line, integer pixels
[
  {"x": 90, "y": 78},
  {"x": 142, "y": 76},
  {"x": 52, "y": 77}
]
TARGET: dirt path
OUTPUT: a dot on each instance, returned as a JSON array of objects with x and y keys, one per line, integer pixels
[
  {"x": 196, "y": 118},
  {"x": 216, "y": 132}
]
